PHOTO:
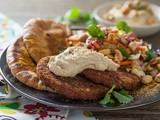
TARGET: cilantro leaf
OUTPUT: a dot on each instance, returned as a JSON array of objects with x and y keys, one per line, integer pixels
[
  {"x": 112, "y": 101},
  {"x": 95, "y": 32},
  {"x": 121, "y": 25},
  {"x": 123, "y": 99},
  {"x": 73, "y": 13},
  {"x": 124, "y": 51},
  {"x": 150, "y": 54},
  {"x": 106, "y": 99},
  {"x": 115, "y": 97},
  {"x": 111, "y": 90},
  {"x": 124, "y": 92}
]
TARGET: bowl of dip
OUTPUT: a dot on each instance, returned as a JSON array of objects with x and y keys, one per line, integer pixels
[{"x": 141, "y": 16}]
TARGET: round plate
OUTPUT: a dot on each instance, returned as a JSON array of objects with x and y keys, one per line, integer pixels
[{"x": 146, "y": 96}]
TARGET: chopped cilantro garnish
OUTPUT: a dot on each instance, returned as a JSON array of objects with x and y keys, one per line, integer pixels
[
  {"x": 121, "y": 25},
  {"x": 112, "y": 96},
  {"x": 124, "y": 51},
  {"x": 106, "y": 99},
  {"x": 124, "y": 92},
  {"x": 112, "y": 88},
  {"x": 95, "y": 32},
  {"x": 122, "y": 99},
  {"x": 150, "y": 54}
]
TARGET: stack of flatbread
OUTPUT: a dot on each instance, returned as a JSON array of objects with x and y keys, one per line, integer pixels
[{"x": 40, "y": 38}]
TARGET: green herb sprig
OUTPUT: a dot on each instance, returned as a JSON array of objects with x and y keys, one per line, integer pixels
[
  {"x": 150, "y": 54},
  {"x": 112, "y": 97},
  {"x": 121, "y": 25},
  {"x": 62, "y": 50},
  {"x": 74, "y": 16},
  {"x": 124, "y": 51},
  {"x": 95, "y": 32}
]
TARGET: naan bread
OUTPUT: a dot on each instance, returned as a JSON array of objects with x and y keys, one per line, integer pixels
[
  {"x": 22, "y": 66},
  {"x": 44, "y": 37}
]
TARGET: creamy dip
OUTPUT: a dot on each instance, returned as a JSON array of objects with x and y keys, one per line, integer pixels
[{"x": 75, "y": 59}]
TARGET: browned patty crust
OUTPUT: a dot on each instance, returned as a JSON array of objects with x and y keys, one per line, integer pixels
[
  {"x": 120, "y": 78},
  {"x": 72, "y": 87}
]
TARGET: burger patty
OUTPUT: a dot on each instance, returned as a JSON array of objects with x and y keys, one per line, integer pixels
[
  {"x": 120, "y": 78},
  {"x": 72, "y": 87}
]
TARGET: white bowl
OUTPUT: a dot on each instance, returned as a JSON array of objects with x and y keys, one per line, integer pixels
[{"x": 146, "y": 30}]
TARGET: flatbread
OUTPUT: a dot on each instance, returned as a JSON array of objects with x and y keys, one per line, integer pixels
[
  {"x": 44, "y": 37},
  {"x": 22, "y": 66}
]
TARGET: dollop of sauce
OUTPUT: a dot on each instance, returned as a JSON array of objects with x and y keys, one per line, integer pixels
[{"x": 75, "y": 59}]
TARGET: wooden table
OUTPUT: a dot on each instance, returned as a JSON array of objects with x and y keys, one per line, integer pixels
[{"x": 22, "y": 10}]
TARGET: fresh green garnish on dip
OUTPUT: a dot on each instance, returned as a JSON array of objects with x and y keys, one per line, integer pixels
[
  {"x": 112, "y": 96},
  {"x": 95, "y": 32},
  {"x": 121, "y": 25}
]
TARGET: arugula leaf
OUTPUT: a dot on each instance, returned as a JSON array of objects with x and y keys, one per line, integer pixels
[
  {"x": 73, "y": 13},
  {"x": 124, "y": 51},
  {"x": 123, "y": 99},
  {"x": 95, "y": 32},
  {"x": 150, "y": 54},
  {"x": 121, "y": 25}
]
